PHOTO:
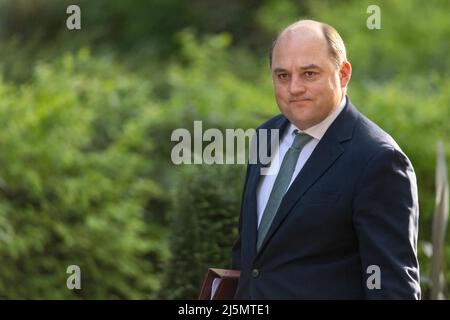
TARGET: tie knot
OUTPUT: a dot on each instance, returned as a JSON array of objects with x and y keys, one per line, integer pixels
[{"x": 300, "y": 140}]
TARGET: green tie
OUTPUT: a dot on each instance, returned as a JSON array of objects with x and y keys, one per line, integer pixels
[{"x": 281, "y": 184}]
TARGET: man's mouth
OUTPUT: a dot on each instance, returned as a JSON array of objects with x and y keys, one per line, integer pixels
[{"x": 299, "y": 100}]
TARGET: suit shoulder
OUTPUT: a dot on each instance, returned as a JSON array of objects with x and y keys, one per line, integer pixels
[
  {"x": 374, "y": 136},
  {"x": 273, "y": 122},
  {"x": 373, "y": 140}
]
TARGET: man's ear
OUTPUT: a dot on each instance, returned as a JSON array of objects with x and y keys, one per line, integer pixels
[{"x": 345, "y": 73}]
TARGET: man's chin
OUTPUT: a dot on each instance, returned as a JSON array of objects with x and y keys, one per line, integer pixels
[{"x": 300, "y": 123}]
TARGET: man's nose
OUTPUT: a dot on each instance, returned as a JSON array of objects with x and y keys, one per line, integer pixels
[{"x": 296, "y": 86}]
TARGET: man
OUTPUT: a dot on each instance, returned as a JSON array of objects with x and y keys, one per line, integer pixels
[{"x": 340, "y": 218}]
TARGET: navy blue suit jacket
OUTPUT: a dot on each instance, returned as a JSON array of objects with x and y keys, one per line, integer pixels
[{"x": 353, "y": 205}]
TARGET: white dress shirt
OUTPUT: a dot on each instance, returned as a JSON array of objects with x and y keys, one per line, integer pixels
[{"x": 266, "y": 182}]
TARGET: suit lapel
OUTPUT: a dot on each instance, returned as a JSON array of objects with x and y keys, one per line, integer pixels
[{"x": 324, "y": 155}]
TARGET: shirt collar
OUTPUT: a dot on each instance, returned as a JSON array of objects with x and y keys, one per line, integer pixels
[{"x": 317, "y": 131}]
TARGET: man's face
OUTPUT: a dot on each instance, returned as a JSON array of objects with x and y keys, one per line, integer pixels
[{"x": 307, "y": 82}]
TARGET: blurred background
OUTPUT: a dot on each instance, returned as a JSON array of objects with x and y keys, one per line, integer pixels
[{"x": 86, "y": 117}]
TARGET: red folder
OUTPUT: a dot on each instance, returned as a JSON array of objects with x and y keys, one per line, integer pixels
[{"x": 226, "y": 288}]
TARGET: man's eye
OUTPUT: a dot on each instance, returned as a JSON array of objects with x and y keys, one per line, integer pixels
[
  {"x": 310, "y": 74},
  {"x": 283, "y": 76}
]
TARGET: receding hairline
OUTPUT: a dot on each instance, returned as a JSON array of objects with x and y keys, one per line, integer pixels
[{"x": 336, "y": 46}]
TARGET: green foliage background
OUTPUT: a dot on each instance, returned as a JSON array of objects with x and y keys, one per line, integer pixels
[{"x": 86, "y": 119}]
